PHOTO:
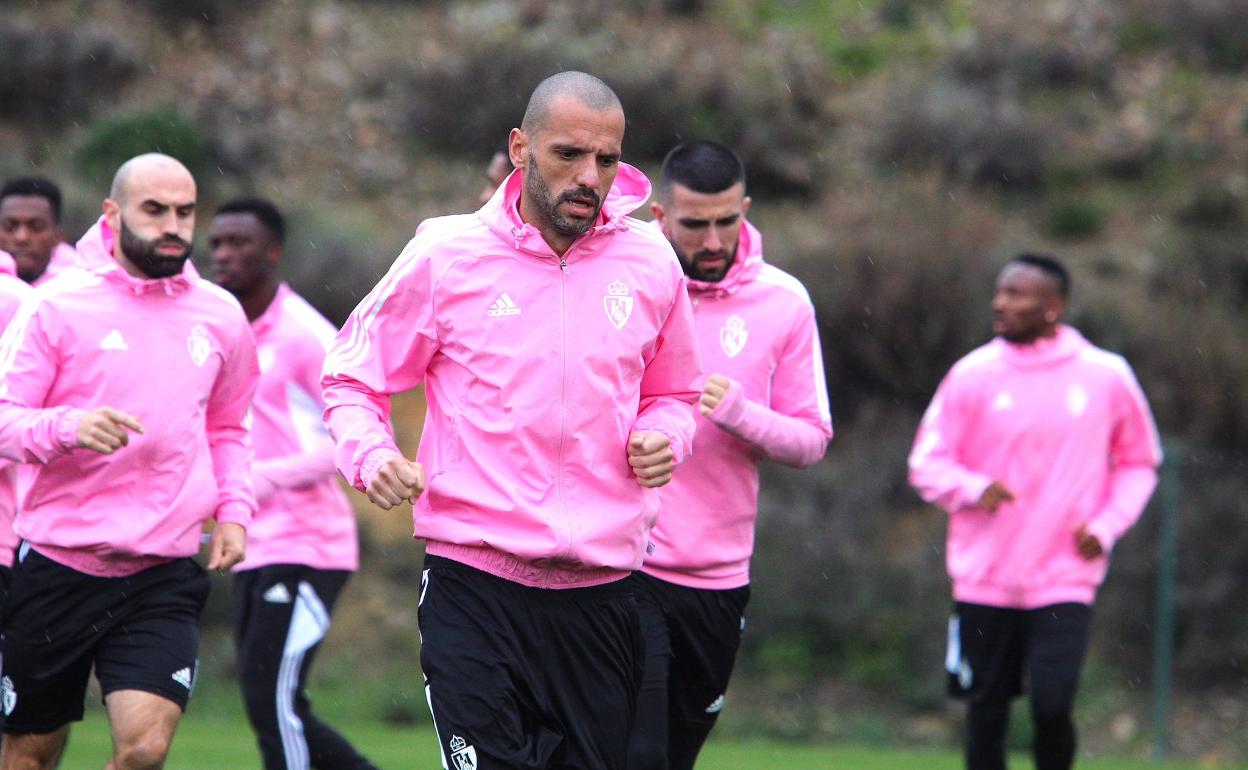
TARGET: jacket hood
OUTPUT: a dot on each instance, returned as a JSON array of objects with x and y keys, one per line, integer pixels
[
  {"x": 7, "y": 265},
  {"x": 502, "y": 212},
  {"x": 1044, "y": 352},
  {"x": 96, "y": 249},
  {"x": 744, "y": 268}
]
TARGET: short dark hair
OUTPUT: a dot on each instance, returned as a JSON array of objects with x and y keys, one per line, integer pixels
[
  {"x": 263, "y": 210},
  {"x": 1049, "y": 266},
  {"x": 582, "y": 86},
  {"x": 703, "y": 166},
  {"x": 35, "y": 185}
]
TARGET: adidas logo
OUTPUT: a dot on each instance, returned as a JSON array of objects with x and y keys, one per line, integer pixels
[
  {"x": 113, "y": 341},
  {"x": 716, "y": 706},
  {"x": 503, "y": 306},
  {"x": 278, "y": 594},
  {"x": 183, "y": 677}
]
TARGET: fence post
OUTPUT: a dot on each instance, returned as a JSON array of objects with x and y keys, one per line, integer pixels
[{"x": 1163, "y": 619}]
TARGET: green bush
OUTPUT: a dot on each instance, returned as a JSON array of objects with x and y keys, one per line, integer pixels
[
  {"x": 112, "y": 141},
  {"x": 1074, "y": 220}
]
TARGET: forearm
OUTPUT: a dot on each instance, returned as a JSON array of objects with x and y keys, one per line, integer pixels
[
  {"x": 1130, "y": 488},
  {"x": 37, "y": 435},
  {"x": 780, "y": 437}
]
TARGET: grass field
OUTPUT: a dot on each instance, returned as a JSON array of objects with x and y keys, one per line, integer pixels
[{"x": 207, "y": 742}]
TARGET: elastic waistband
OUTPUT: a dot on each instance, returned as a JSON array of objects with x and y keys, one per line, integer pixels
[{"x": 533, "y": 574}]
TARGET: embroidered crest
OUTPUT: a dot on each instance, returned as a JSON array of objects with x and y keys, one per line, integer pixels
[
  {"x": 199, "y": 345},
  {"x": 618, "y": 304},
  {"x": 463, "y": 756},
  {"x": 732, "y": 336}
]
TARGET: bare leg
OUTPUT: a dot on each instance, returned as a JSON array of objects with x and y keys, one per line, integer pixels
[
  {"x": 143, "y": 725},
  {"x": 33, "y": 751}
]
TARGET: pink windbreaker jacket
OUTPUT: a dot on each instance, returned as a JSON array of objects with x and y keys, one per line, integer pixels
[
  {"x": 1065, "y": 427},
  {"x": 12, "y": 291},
  {"x": 756, "y": 327},
  {"x": 303, "y": 517},
  {"x": 176, "y": 353},
  {"x": 536, "y": 372},
  {"x": 65, "y": 258}
]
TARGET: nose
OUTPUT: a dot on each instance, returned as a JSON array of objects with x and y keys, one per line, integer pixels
[
  {"x": 998, "y": 302},
  {"x": 22, "y": 234},
  {"x": 712, "y": 243},
  {"x": 588, "y": 173}
]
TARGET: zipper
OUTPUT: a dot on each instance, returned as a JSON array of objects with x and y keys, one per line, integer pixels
[{"x": 563, "y": 395}]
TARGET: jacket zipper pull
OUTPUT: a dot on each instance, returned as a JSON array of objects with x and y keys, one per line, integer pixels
[{"x": 563, "y": 264}]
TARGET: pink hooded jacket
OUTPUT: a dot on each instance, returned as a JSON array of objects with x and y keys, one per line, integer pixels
[
  {"x": 1065, "y": 427},
  {"x": 12, "y": 291},
  {"x": 756, "y": 327},
  {"x": 64, "y": 258},
  {"x": 176, "y": 353},
  {"x": 303, "y": 517},
  {"x": 537, "y": 370}
]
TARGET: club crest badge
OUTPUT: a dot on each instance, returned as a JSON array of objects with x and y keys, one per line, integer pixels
[
  {"x": 463, "y": 756},
  {"x": 199, "y": 345},
  {"x": 732, "y": 336},
  {"x": 618, "y": 304}
]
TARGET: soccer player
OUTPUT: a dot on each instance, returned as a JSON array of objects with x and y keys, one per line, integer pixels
[
  {"x": 496, "y": 171},
  {"x": 554, "y": 337},
  {"x": 1042, "y": 449},
  {"x": 128, "y": 384},
  {"x": 301, "y": 545},
  {"x": 12, "y": 291},
  {"x": 765, "y": 397},
  {"x": 30, "y": 229}
]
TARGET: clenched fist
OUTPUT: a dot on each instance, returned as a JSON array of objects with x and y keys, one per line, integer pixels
[
  {"x": 397, "y": 480},
  {"x": 103, "y": 430},
  {"x": 652, "y": 458},
  {"x": 713, "y": 392}
]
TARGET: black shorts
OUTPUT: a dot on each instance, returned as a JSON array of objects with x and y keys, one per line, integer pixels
[
  {"x": 528, "y": 678},
  {"x": 692, "y": 637},
  {"x": 992, "y": 649},
  {"x": 141, "y": 632}
]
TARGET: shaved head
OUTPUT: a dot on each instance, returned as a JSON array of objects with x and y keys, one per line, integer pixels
[
  {"x": 583, "y": 87},
  {"x": 142, "y": 166}
]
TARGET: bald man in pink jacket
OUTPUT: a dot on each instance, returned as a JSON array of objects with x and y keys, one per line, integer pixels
[
  {"x": 127, "y": 387},
  {"x": 554, "y": 337},
  {"x": 1043, "y": 450}
]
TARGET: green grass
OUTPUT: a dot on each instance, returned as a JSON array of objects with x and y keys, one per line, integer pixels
[{"x": 219, "y": 741}]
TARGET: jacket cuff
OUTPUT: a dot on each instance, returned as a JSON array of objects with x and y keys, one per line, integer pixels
[
  {"x": 234, "y": 512},
  {"x": 67, "y": 429},
  {"x": 730, "y": 411},
  {"x": 372, "y": 464},
  {"x": 1101, "y": 531}
]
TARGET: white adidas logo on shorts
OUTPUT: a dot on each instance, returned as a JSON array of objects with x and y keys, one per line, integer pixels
[{"x": 183, "y": 677}]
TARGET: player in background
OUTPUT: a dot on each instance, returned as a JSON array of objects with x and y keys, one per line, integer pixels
[
  {"x": 764, "y": 397},
  {"x": 301, "y": 545},
  {"x": 12, "y": 291},
  {"x": 496, "y": 171},
  {"x": 128, "y": 386},
  {"x": 1042, "y": 449},
  {"x": 30, "y": 229}
]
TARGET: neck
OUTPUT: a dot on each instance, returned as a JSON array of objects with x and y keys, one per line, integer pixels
[
  {"x": 129, "y": 266},
  {"x": 558, "y": 242},
  {"x": 258, "y": 299}
]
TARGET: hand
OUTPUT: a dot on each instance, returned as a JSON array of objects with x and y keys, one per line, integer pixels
[
  {"x": 652, "y": 458},
  {"x": 713, "y": 392},
  {"x": 1089, "y": 546},
  {"x": 994, "y": 496},
  {"x": 397, "y": 480},
  {"x": 229, "y": 545},
  {"x": 103, "y": 430}
]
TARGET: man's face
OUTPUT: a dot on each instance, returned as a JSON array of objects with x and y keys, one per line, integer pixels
[
  {"x": 155, "y": 221},
  {"x": 29, "y": 232},
  {"x": 569, "y": 166},
  {"x": 244, "y": 252},
  {"x": 704, "y": 228},
  {"x": 1025, "y": 296}
]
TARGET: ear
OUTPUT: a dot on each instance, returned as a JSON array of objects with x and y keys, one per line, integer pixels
[
  {"x": 660, "y": 215},
  {"x": 745, "y": 205},
  {"x": 273, "y": 255},
  {"x": 112, "y": 215},
  {"x": 518, "y": 148}
]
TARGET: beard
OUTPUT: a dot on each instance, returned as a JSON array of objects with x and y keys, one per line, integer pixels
[
  {"x": 539, "y": 192},
  {"x": 145, "y": 257},
  {"x": 693, "y": 264}
]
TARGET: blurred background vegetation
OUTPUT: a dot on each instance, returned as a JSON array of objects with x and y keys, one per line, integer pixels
[{"x": 899, "y": 151}]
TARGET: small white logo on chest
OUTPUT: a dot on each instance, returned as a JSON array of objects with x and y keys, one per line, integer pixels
[
  {"x": 113, "y": 341},
  {"x": 1077, "y": 400},
  {"x": 732, "y": 336},
  {"x": 199, "y": 345},
  {"x": 503, "y": 306},
  {"x": 1003, "y": 402},
  {"x": 618, "y": 304}
]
